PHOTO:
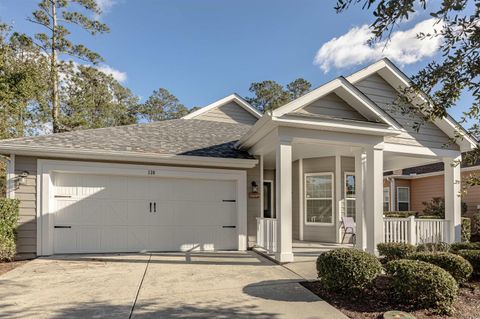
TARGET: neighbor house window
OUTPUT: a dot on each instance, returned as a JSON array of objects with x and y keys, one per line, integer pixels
[
  {"x": 268, "y": 211},
  {"x": 386, "y": 199},
  {"x": 350, "y": 195},
  {"x": 319, "y": 198},
  {"x": 403, "y": 198}
]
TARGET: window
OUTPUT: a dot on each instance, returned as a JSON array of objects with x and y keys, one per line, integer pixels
[
  {"x": 386, "y": 199},
  {"x": 403, "y": 198},
  {"x": 319, "y": 198},
  {"x": 268, "y": 211},
  {"x": 350, "y": 195}
]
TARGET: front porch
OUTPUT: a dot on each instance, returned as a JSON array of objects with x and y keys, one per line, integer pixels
[{"x": 320, "y": 178}]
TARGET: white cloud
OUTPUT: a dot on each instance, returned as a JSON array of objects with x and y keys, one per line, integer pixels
[
  {"x": 403, "y": 48},
  {"x": 117, "y": 75},
  {"x": 105, "y": 5}
]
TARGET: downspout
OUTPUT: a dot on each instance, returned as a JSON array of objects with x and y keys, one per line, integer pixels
[{"x": 391, "y": 181}]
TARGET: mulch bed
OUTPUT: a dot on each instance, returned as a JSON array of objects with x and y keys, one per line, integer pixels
[
  {"x": 372, "y": 302},
  {"x": 10, "y": 265}
]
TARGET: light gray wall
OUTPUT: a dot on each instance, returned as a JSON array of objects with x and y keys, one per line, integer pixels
[
  {"x": 429, "y": 135},
  {"x": 253, "y": 206},
  {"x": 332, "y": 105},
  {"x": 27, "y": 226},
  {"x": 229, "y": 113}
]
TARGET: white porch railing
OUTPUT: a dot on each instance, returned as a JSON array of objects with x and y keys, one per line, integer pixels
[
  {"x": 267, "y": 234},
  {"x": 414, "y": 231}
]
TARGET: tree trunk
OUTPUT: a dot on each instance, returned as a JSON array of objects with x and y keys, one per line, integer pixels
[{"x": 54, "y": 72}]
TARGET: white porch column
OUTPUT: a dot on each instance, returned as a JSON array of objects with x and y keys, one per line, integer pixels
[
  {"x": 338, "y": 197},
  {"x": 453, "y": 201},
  {"x": 283, "y": 206},
  {"x": 260, "y": 188},
  {"x": 360, "y": 232},
  {"x": 374, "y": 197}
]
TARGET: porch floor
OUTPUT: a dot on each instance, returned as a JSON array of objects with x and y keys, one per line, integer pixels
[{"x": 305, "y": 255}]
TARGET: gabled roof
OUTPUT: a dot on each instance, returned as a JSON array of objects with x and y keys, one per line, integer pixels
[
  {"x": 231, "y": 98},
  {"x": 349, "y": 93},
  {"x": 398, "y": 80},
  {"x": 176, "y": 140}
]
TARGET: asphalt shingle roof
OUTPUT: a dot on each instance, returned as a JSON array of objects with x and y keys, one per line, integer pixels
[{"x": 174, "y": 137}]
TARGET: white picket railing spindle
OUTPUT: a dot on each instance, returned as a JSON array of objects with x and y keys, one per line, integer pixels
[
  {"x": 267, "y": 234},
  {"x": 414, "y": 230}
]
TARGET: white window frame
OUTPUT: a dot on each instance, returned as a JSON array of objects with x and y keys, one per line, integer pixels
[
  {"x": 389, "y": 197},
  {"x": 305, "y": 199},
  {"x": 408, "y": 195},
  {"x": 272, "y": 203},
  {"x": 345, "y": 174}
]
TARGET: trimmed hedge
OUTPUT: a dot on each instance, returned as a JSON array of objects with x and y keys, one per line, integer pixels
[
  {"x": 344, "y": 268},
  {"x": 457, "y": 266},
  {"x": 462, "y": 246},
  {"x": 466, "y": 229},
  {"x": 392, "y": 251},
  {"x": 423, "y": 284},
  {"x": 399, "y": 214},
  {"x": 473, "y": 256},
  {"x": 8, "y": 224},
  {"x": 433, "y": 247}
]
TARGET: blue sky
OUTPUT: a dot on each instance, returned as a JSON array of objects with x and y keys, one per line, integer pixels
[{"x": 203, "y": 50}]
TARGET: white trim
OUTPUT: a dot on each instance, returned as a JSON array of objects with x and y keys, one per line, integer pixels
[
  {"x": 262, "y": 204},
  {"x": 398, "y": 197},
  {"x": 10, "y": 177},
  {"x": 231, "y": 98},
  {"x": 398, "y": 80},
  {"x": 393, "y": 196},
  {"x": 338, "y": 195},
  {"x": 332, "y": 198},
  {"x": 272, "y": 190},
  {"x": 46, "y": 167},
  {"x": 41, "y": 151},
  {"x": 300, "y": 197}
]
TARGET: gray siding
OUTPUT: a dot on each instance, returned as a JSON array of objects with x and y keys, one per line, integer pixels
[
  {"x": 253, "y": 206},
  {"x": 332, "y": 105},
  {"x": 383, "y": 94},
  {"x": 295, "y": 201},
  {"x": 27, "y": 194},
  {"x": 229, "y": 113}
]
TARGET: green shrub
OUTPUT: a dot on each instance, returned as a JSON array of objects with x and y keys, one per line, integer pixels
[
  {"x": 462, "y": 246},
  {"x": 8, "y": 224},
  {"x": 344, "y": 268},
  {"x": 457, "y": 266},
  {"x": 473, "y": 257},
  {"x": 433, "y": 247},
  {"x": 466, "y": 229},
  {"x": 423, "y": 284},
  {"x": 476, "y": 223},
  {"x": 392, "y": 251},
  {"x": 399, "y": 214}
]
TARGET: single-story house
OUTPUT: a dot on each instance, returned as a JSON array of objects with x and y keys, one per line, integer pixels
[
  {"x": 227, "y": 177},
  {"x": 407, "y": 189}
]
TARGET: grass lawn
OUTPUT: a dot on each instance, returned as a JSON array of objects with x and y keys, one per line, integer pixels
[{"x": 372, "y": 302}]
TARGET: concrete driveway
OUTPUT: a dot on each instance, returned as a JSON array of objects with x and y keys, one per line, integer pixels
[{"x": 158, "y": 285}]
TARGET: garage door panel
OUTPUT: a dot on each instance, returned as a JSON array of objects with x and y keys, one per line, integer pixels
[
  {"x": 113, "y": 239},
  {"x": 112, "y": 214}
]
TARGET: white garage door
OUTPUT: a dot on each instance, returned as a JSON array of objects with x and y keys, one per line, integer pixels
[{"x": 95, "y": 213}]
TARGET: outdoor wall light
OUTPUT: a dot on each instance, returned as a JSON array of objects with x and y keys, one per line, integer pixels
[
  {"x": 254, "y": 193},
  {"x": 22, "y": 179}
]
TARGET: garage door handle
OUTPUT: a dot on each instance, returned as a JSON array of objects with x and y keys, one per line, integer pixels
[
  {"x": 229, "y": 200},
  {"x": 155, "y": 207},
  {"x": 62, "y": 196},
  {"x": 62, "y": 226},
  {"x": 229, "y": 226},
  {"x": 150, "y": 207}
]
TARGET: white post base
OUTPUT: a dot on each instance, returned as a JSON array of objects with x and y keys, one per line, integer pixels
[{"x": 285, "y": 257}]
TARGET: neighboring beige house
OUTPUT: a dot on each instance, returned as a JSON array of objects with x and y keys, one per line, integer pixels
[
  {"x": 227, "y": 177},
  {"x": 409, "y": 188}
]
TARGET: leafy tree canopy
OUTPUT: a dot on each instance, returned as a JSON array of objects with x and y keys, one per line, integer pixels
[
  {"x": 269, "y": 95},
  {"x": 162, "y": 105}
]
